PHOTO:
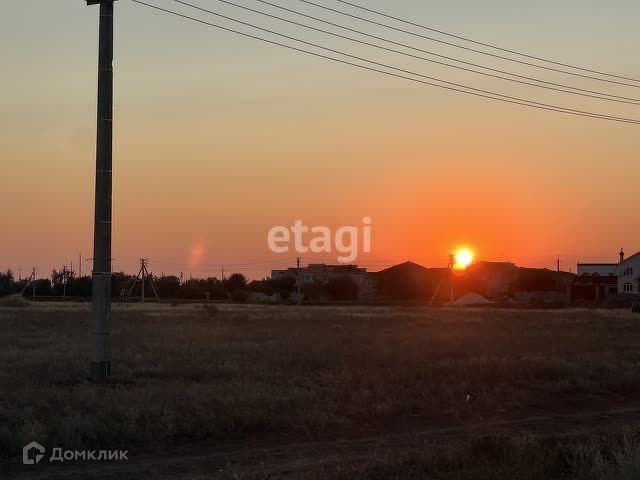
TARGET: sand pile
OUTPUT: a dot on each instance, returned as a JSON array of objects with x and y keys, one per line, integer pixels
[{"x": 469, "y": 300}]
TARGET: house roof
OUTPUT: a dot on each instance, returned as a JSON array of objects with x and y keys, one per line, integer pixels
[
  {"x": 404, "y": 267},
  {"x": 631, "y": 257},
  {"x": 492, "y": 266},
  {"x": 559, "y": 273},
  {"x": 597, "y": 264},
  {"x": 504, "y": 264}
]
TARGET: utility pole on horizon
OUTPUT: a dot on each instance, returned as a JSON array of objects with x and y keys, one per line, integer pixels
[
  {"x": 450, "y": 265},
  {"x": 64, "y": 281},
  {"x": 33, "y": 284},
  {"x": 100, "y": 328},
  {"x": 298, "y": 281}
]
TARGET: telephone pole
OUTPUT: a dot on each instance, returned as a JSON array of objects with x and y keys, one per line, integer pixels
[{"x": 100, "y": 326}]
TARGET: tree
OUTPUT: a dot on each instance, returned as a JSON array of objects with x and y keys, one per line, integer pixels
[
  {"x": 168, "y": 287},
  {"x": 215, "y": 288},
  {"x": 265, "y": 286},
  {"x": 239, "y": 296},
  {"x": 79, "y": 287},
  {"x": 61, "y": 279},
  {"x": 7, "y": 283},
  {"x": 42, "y": 287},
  {"x": 237, "y": 281},
  {"x": 57, "y": 278},
  {"x": 193, "y": 289},
  {"x": 285, "y": 286}
]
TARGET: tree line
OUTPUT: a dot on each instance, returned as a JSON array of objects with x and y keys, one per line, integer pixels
[{"x": 235, "y": 288}]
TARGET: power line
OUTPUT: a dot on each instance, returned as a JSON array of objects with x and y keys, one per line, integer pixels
[
  {"x": 429, "y": 52},
  {"x": 225, "y": 270},
  {"x": 273, "y": 32},
  {"x": 496, "y": 47},
  {"x": 589, "y": 94},
  {"x": 408, "y": 32},
  {"x": 455, "y": 86},
  {"x": 225, "y": 265}
]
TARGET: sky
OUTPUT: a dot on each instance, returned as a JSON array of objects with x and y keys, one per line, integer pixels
[{"x": 219, "y": 138}]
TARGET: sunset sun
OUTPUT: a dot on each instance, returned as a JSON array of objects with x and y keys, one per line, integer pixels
[{"x": 463, "y": 258}]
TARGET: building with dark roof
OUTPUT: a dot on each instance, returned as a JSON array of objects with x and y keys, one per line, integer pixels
[
  {"x": 321, "y": 273},
  {"x": 593, "y": 288}
]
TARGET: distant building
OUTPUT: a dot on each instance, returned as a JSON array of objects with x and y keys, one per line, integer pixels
[
  {"x": 593, "y": 288},
  {"x": 595, "y": 282},
  {"x": 622, "y": 278},
  {"x": 321, "y": 273},
  {"x": 629, "y": 274},
  {"x": 506, "y": 281},
  {"x": 495, "y": 278},
  {"x": 408, "y": 281},
  {"x": 624, "y": 275},
  {"x": 598, "y": 269}
]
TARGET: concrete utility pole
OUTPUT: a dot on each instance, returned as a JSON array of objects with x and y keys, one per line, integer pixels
[{"x": 100, "y": 367}]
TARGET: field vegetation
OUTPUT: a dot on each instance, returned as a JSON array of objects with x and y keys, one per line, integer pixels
[{"x": 519, "y": 393}]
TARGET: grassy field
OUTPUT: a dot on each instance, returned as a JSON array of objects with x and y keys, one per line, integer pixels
[{"x": 371, "y": 393}]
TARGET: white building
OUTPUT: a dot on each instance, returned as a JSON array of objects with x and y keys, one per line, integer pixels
[
  {"x": 627, "y": 271},
  {"x": 629, "y": 274}
]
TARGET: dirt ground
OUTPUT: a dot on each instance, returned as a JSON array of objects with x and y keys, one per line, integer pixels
[{"x": 321, "y": 392}]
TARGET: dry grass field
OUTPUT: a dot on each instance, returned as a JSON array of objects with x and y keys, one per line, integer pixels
[{"x": 252, "y": 392}]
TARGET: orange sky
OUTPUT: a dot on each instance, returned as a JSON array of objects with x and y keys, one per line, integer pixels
[{"x": 213, "y": 149}]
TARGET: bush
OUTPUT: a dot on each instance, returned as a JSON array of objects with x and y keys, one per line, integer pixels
[
  {"x": 239, "y": 296},
  {"x": 14, "y": 301}
]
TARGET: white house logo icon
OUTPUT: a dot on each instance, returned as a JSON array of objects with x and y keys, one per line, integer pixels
[{"x": 27, "y": 453}]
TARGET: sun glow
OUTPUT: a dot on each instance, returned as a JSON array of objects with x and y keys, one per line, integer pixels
[{"x": 462, "y": 258}]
